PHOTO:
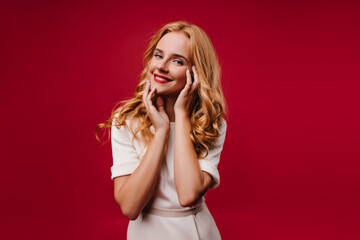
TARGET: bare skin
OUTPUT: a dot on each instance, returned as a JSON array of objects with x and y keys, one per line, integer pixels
[
  {"x": 132, "y": 192},
  {"x": 191, "y": 183}
]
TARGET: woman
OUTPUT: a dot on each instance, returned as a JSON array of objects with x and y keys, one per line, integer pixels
[{"x": 167, "y": 139}]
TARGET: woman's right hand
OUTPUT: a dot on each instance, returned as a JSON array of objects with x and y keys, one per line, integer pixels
[{"x": 158, "y": 117}]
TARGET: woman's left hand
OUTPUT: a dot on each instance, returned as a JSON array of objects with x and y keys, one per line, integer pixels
[{"x": 182, "y": 104}]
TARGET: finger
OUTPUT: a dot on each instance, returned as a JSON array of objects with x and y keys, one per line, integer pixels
[
  {"x": 146, "y": 92},
  {"x": 188, "y": 81},
  {"x": 148, "y": 99},
  {"x": 160, "y": 104},
  {"x": 188, "y": 77},
  {"x": 146, "y": 89},
  {"x": 196, "y": 81}
]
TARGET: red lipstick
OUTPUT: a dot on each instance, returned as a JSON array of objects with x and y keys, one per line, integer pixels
[{"x": 161, "y": 79}]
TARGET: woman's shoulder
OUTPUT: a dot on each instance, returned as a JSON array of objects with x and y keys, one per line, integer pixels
[
  {"x": 223, "y": 121},
  {"x": 222, "y": 125}
]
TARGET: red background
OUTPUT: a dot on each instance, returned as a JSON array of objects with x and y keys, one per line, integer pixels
[{"x": 290, "y": 165}]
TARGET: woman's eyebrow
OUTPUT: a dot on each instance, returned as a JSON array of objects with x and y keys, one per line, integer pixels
[{"x": 174, "y": 54}]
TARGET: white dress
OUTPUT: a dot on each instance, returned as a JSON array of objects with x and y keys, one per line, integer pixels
[{"x": 126, "y": 158}]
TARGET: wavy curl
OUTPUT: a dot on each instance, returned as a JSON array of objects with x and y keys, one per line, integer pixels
[{"x": 208, "y": 105}]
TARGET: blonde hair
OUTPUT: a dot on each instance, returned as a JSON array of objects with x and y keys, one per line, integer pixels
[{"x": 208, "y": 105}]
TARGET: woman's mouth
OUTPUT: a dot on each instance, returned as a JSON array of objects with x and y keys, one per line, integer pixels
[{"x": 161, "y": 79}]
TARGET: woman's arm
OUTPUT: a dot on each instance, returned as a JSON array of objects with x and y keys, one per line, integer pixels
[
  {"x": 132, "y": 192},
  {"x": 191, "y": 183}
]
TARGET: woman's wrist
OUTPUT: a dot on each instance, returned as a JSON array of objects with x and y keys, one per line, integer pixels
[
  {"x": 162, "y": 132},
  {"x": 181, "y": 115}
]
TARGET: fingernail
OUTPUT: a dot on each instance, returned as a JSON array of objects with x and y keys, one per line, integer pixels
[
  {"x": 187, "y": 71},
  {"x": 147, "y": 82},
  {"x": 193, "y": 67}
]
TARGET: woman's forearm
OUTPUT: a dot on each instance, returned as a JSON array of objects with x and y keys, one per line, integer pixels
[
  {"x": 138, "y": 187},
  {"x": 189, "y": 179}
]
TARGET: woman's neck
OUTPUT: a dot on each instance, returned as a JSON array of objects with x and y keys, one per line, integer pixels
[{"x": 169, "y": 107}]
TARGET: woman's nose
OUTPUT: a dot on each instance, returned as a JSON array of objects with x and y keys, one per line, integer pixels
[{"x": 162, "y": 66}]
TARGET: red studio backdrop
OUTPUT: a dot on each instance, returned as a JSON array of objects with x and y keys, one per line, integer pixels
[{"x": 290, "y": 74}]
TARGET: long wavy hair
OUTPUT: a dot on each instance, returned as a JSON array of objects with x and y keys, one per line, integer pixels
[{"x": 208, "y": 104}]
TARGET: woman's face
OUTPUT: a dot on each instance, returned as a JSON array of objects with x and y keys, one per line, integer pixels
[{"x": 169, "y": 63}]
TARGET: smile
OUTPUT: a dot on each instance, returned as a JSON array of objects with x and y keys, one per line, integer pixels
[{"x": 161, "y": 79}]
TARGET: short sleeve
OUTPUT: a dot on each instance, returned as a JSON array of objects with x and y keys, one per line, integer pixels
[
  {"x": 211, "y": 162},
  {"x": 125, "y": 157}
]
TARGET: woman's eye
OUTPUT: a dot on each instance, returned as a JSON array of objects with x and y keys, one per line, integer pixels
[
  {"x": 158, "y": 56},
  {"x": 179, "y": 62}
]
